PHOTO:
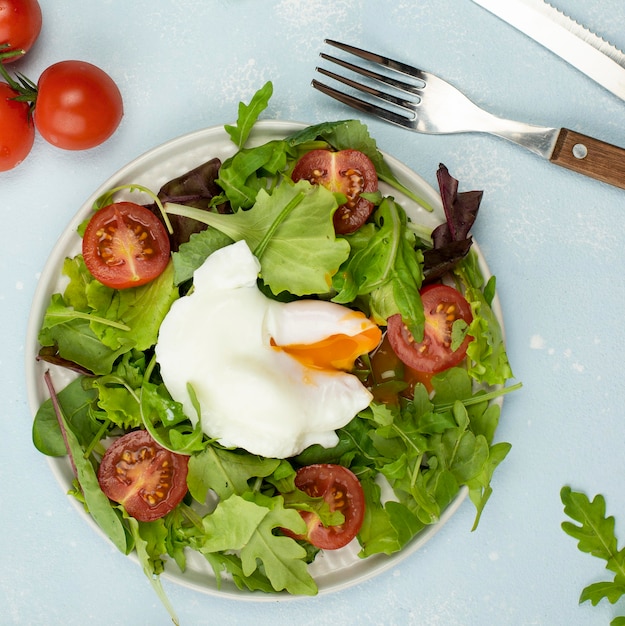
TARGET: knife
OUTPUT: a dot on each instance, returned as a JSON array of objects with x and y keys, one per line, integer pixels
[{"x": 584, "y": 50}]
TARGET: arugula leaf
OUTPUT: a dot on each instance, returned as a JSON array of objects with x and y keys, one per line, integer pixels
[
  {"x": 231, "y": 563},
  {"x": 246, "y": 524},
  {"x": 248, "y": 115},
  {"x": 299, "y": 254},
  {"x": 226, "y": 472},
  {"x": 149, "y": 544},
  {"x": 166, "y": 421},
  {"x": 245, "y": 174},
  {"x": 595, "y": 535}
]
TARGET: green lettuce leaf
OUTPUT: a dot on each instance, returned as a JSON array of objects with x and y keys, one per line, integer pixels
[{"x": 299, "y": 254}]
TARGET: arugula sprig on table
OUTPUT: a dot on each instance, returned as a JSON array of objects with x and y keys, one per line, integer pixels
[{"x": 594, "y": 532}]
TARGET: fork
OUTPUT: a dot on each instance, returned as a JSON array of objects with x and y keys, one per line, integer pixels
[{"x": 423, "y": 102}]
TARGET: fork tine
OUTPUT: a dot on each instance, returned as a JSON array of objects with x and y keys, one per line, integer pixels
[
  {"x": 387, "y": 80},
  {"x": 363, "y": 105},
  {"x": 372, "y": 91},
  {"x": 398, "y": 66}
]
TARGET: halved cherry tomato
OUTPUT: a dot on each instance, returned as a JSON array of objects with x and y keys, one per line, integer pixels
[
  {"x": 78, "y": 105},
  {"x": 443, "y": 305},
  {"x": 20, "y": 25},
  {"x": 147, "y": 479},
  {"x": 340, "y": 488},
  {"x": 125, "y": 245},
  {"x": 390, "y": 378},
  {"x": 349, "y": 172},
  {"x": 17, "y": 132}
]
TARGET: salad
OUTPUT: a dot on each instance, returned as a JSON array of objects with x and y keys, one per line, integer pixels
[{"x": 156, "y": 483}]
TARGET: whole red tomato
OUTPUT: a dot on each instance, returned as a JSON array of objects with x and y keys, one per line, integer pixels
[
  {"x": 17, "y": 132},
  {"x": 78, "y": 105},
  {"x": 20, "y": 25}
]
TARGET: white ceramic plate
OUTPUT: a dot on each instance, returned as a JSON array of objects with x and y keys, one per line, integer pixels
[{"x": 334, "y": 570}]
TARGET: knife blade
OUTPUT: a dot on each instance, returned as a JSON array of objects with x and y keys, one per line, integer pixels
[{"x": 562, "y": 35}]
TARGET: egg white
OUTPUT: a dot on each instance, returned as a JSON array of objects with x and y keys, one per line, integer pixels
[{"x": 251, "y": 394}]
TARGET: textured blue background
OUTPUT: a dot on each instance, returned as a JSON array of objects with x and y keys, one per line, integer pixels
[{"x": 554, "y": 239}]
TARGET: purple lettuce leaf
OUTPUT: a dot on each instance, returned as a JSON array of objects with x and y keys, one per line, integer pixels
[{"x": 451, "y": 240}]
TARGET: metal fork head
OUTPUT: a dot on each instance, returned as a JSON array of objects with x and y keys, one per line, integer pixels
[{"x": 419, "y": 100}]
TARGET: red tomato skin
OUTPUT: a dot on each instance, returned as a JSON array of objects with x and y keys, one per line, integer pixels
[
  {"x": 342, "y": 491},
  {"x": 346, "y": 171},
  {"x": 432, "y": 355},
  {"x": 135, "y": 267},
  {"x": 20, "y": 25},
  {"x": 132, "y": 472},
  {"x": 78, "y": 106},
  {"x": 17, "y": 132}
]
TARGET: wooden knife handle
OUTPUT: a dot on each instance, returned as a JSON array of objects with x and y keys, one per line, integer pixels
[{"x": 590, "y": 156}]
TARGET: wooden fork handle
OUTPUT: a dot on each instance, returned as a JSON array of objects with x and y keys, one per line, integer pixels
[{"x": 591, "y": 157}]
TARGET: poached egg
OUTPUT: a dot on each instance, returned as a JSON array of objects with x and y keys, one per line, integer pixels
[{"x": 265, "y": 376}]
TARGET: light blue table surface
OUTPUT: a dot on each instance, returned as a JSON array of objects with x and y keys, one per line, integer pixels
[{"x": 554, "y": 239}]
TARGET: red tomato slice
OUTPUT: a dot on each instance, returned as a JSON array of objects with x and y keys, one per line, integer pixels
[
  {"x": 349, "y": 172},
  {"x": 443, "y": 305},
  {"x": 125, "y": 245},
  {"x": 340, "y": 488},
  {"x": 20, "y": 25},
  {"x": 390, "y": 378},
  {"x": 147, "y": 479}
]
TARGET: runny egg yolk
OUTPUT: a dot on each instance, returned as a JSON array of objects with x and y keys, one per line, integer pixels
[{"x": 337, "y": 352}]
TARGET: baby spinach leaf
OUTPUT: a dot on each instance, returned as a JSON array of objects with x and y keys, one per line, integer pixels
[
  {"x": 384, "y": 272},
  {"x": 76, "y": 401}
]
